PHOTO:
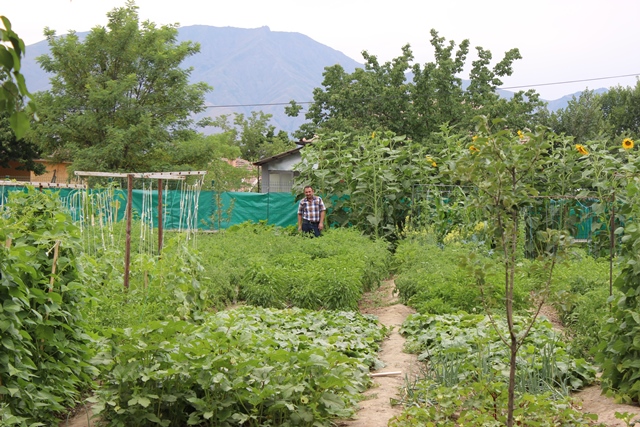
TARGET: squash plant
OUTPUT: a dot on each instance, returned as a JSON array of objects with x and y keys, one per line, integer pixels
[
  {"x": 44, "y": 351},
  {"x": 243, "y": 367}
]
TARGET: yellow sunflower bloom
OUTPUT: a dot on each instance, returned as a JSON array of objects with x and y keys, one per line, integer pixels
[
  {"x": 434, "y": 164},
  {"x": 373, "y": 135},
  {"x": 581, "y": 149},
  {"x": 627, "y": 143},
  {"x": 473, "y": 148},
  {"x": 474, "y": 138},
  {"x": 520, "y": 134}
]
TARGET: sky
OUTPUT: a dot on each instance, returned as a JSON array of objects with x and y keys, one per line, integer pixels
[{"x": 587, "y": 42}]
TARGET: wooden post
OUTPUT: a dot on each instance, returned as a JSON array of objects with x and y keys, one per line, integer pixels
[
  {"x": 612, "y": 243},
  {"x": 127, "y": 247},
  {"x": 160, "y": 230}
]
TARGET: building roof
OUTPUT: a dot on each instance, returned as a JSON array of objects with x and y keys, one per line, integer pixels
[{"x": 276, "y": 157}]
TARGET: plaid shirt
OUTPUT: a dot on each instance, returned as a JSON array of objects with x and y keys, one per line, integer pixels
[{"x": 310, "y": 210}]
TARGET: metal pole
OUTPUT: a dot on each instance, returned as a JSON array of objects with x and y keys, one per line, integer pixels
[
  {"x": 127, "y": 247},
  {"x": 160, "y": 229}
]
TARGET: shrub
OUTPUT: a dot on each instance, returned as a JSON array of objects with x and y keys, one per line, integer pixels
[{"x": 44, "y": 351}]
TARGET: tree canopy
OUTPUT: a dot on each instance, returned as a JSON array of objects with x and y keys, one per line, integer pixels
[
  {"x": 413, "y": 100},
  {"x": 255, "y": 137},
  {"x": 119, "y": 100}
]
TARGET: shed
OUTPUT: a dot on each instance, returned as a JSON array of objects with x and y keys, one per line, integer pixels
[{"x": 277, "y": 171}]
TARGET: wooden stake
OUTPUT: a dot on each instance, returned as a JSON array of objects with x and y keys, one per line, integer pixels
[{"x": 386, "y": 374}]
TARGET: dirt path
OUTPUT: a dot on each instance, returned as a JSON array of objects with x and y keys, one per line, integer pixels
[
  {"x": 81, "y": 419},
  {"x": 376, "y": 410},
  {"x": 605, "y": 407},
  {"x": 593, "y": 401}
]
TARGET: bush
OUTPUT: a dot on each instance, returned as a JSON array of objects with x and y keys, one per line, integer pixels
[{"x": 44, "y": 351}]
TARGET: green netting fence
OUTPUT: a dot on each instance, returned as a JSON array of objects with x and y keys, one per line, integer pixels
[{"x": 214, "y": 210}]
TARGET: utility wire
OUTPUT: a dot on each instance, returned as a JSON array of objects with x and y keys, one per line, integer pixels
[
  {"x": 571, "y": 81},
  {"x": 368, "y": 99}
]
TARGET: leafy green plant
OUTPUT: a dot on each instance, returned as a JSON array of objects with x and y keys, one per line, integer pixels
[
  {"x": 507, "y": 168},
  {"x": 247, "y": 366},
  {"x": 44, "y": 349},
  {"x": 426, "y": 281},
  {"x": 469, "y": 347}
]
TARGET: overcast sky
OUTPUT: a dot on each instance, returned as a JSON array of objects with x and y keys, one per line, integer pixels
[{"x": 559, "y": 40}]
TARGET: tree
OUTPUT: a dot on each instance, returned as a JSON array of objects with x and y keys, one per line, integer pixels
[
  {"x": 19, "y": 150},
  {"x": 381, "y": 97},
  {"x": 119, "y": 100},
  {"x": 13, "y": 89},
  {"x": 582, "y": 118},
  {"x": 255, "y": 137},
  {"x": 621, "y": 108},
  {"x": 507, "y": 168}
]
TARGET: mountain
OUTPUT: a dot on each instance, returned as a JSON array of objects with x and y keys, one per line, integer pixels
[
  {"x": 564, "y": 101},
  {"x": 244, "y": 66},
  {"x": 248, "y": 67}
]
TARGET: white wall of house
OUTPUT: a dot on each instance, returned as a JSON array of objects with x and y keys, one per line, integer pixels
[{"x": 277, "y": 175}]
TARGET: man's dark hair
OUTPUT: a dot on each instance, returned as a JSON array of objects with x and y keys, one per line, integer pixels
[{"x": 307, "y": 186}]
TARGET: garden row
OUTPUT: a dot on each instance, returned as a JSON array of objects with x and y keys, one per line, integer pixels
[
  {"x": 162, "y": 352},
  {"x": 460, "y": 331}
]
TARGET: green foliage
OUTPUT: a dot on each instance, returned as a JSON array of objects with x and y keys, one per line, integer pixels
[
  {"x": 481, "y": 404},
  {"x": 248, "y": 366},
  {"x": 254, "y": 136},
  {"x": 44, "y": 350},
  {"x": 579, "y": 292},
  {"x": 19, "y": 150},
  {"x": 366, "y": 180},
  {"x": 426, "y": 281},
  {"x": 379, "y": 96},
  {"x": 119, "y": 98},
  {"x": 471, "y": 344},
  {"x": 582, "y": 118},
  {"x": 467, "y": 374},
  {"x": 13, "y": 89},
  {"x": 272, "y": 268},
  {"x": 173, "y": 286},
  {"x": 621, "y": 109},
  {"x": 619, "y": 356}
]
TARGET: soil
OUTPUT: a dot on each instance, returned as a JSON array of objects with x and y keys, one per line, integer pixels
[
  {"x": 378, "y": 405},
  {"x": 377, "y": 408}
]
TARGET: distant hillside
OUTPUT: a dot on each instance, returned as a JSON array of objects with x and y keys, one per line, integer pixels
[
  {"x": 564, "y": 101},
  {"x": 249, "y": 66},
  {"x": 244, "y": 66}
]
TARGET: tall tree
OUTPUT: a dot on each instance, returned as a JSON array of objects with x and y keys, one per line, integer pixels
[
  {"x": 621, "y": 108},
  {"x": 255, "y": 137},
  {"x": 383, "y": 97},
  {"x": 119, "y": 99},
  {"x": 582, "y": 118}
]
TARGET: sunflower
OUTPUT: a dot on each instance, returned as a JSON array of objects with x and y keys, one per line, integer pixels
[
  {"x": 627, "y": 143},
  {"x": 520, "y": 134},
  {"x": 473, "y": 148},
  {"x": 582, "y": 150},
  {"x": 474, "y": 137}
]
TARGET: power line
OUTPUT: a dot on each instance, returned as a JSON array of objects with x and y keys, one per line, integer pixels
[
  {"x": 571, "y": 81},
  {"x": 274, "y": 104}
]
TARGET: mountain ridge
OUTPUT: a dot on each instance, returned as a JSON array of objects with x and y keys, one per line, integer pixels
[{"x": 250, "y": 70}]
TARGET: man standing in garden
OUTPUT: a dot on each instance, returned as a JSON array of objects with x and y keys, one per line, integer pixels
[{"x": 311, "y": 212}]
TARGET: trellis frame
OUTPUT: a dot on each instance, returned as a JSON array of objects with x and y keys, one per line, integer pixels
[{"x": 179, "y": 175}]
